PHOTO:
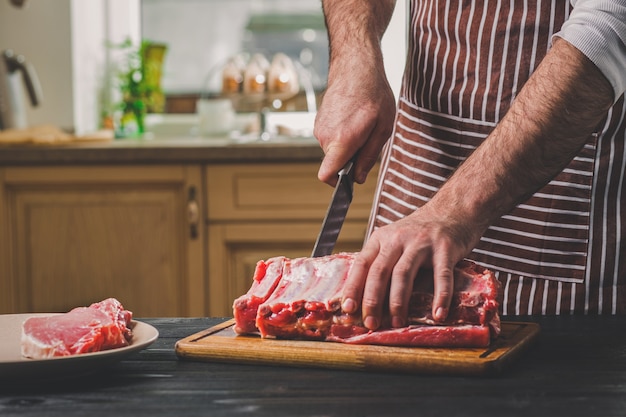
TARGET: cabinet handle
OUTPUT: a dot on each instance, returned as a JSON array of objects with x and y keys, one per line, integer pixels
[{"x": 193, "y": 213}]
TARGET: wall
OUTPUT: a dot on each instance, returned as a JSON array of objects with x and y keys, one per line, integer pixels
[
  {"x": 65, "y": 40},
  {"x": 96, "y": 24},
  {"x": 41, "y": 31},
  {"x": 394, "y": 45}
]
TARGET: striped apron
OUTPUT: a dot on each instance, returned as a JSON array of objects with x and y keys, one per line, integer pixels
[{"x": 560, "y": 252}]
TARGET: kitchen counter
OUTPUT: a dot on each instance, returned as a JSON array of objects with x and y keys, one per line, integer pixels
[
  {"x": 577, "y": 367},
  {"x": 164, "y": 151}
]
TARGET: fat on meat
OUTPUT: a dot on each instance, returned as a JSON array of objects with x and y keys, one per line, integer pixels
[
  {"x": 101, "y": 326},
  {"x": 266, "y": 277},
  {"x": 302, "y": 301}
]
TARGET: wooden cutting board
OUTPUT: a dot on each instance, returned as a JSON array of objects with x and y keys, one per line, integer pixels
[
  {"x": 221, "y": 344},
  {"x": 50, "y": 135}
]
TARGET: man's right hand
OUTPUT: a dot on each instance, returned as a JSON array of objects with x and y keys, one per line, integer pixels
[
  {"x": 358, "y": 109},
  {"x": 356, "y": 117}
]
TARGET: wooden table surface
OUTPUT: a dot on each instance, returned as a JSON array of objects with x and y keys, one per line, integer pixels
[{"x": 577, "y": 367}]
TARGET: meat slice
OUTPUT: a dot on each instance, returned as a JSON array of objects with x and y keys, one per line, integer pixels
[
  {"x": 266, "y": 277},
  {"x": 101, "y": 326},
  {"x": 464, "y": 335},
  {"x": 118, "y": 333},
  {"x": 305, "y": 304}
]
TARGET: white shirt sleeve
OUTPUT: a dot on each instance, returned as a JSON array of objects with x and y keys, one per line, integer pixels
[{"x": 597, "y": 28}]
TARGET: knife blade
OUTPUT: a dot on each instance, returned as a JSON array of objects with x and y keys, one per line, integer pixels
[{"x": 336, "y": 213}]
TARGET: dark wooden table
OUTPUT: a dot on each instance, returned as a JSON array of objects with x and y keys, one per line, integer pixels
[{"x": 577, "y": 367}]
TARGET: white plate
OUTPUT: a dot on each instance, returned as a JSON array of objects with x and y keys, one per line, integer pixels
[{"x": 14, "y": 366}]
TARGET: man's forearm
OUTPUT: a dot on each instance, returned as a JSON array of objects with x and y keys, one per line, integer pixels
[
  {"x": 355, "y": 29},
  {"x": 556, "y": 111}
]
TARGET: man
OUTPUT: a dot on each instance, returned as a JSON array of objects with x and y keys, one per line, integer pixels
[{"x": 507, "y": 149}]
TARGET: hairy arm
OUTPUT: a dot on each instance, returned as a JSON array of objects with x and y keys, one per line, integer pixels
[
  {"x": 557, "y": 110},
  {"x": 559, "y": 107},
  {"x": 358, "y": 107}
]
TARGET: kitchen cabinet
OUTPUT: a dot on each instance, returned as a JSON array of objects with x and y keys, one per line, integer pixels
[
  {"x": 257, "y": 211},
  {"x": 76, "y": 234},
  {"x": 166, "y": 239}
]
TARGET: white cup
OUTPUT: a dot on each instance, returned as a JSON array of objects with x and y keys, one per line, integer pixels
[{"x": 216, "y": 116}]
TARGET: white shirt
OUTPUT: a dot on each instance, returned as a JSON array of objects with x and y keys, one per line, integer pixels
[{"x": 598, "y": 29}]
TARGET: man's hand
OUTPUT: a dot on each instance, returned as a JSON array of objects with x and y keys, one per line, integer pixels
[
  {"x": 392, "y": 257},
  {"x": 356, "y": 116},
  {"x": 358, "y": 109}
]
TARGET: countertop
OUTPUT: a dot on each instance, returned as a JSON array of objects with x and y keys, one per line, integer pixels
[
  {"x": 577, "y": 367},
  {"x": 163, "y": 151}
]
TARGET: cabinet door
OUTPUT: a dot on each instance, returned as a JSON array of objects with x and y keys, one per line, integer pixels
[
  {"x": 258, "y": 211},
  {"x": 75, "y": 235},
  {"x": 286, "y": 192},
  {"x": 234, "y": 250}
]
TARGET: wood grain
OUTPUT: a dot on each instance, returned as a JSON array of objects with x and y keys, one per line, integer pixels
[
  {"x": 278, "y": 192},
  {"x": 50, "y": 135},
  {"x": 77, "y": 235},
  {"x": 221, "y": 344}
]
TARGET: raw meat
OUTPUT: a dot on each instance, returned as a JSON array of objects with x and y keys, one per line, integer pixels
[
  {"x": 101, "y": 326},
  {"x": 463, "y": 335},
  {"x": 306, "y": 299},
  {"x": 266, "y": 277},
  {"x": 305, "y": 304}
]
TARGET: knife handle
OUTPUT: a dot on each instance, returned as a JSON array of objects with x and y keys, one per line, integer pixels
[{"x": 347, "y": 168}]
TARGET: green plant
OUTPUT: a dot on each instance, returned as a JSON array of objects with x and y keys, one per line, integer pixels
[{"x": 138, "y": 81}]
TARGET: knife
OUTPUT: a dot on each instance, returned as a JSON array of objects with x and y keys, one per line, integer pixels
[{"x": 336, "y": 213}]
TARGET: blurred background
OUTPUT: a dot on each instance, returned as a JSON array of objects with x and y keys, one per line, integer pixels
[{"x": 74, "y": 48}]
